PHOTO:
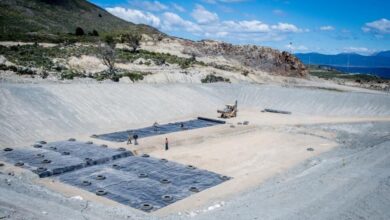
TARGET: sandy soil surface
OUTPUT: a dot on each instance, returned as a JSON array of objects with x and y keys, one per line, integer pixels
[
  {"x": 271, "y": 144},
  {"x": 350, "y": 182},
  {"x": 274, "y": 174}
]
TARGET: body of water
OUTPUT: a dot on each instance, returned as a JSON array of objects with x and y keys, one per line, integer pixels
[{"x": 382, "y": 72}]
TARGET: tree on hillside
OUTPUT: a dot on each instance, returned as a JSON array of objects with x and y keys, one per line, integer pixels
[
  {"x": 107, "y": 54},
  {"x": 95, "y": 33},
  {"x": 79, "y": 31},
  {"x": 109, "y": 39},
  {"x": 131, "y": 40}
]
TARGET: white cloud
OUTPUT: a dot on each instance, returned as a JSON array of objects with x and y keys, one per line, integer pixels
[
  {"x": 222, "y": 1},
  {"x": 250, "y": 30},
  {"x": 178, "y": 7},
  {"x": 206, "y": 24},
  {"x": 246, "y": 26},
  {"x": 135, "y": 16},
  {"x": 327, "y": 28},
  {"x": 226, "y": 9},
  {"x": 150, "y": 5},
  {"x": 361, "y": 50},
  {"x": 202, "y": 16},
  {"x": 279, "y": 12},
  {"x": 286, "y": 27},
  {"x": 172, "y": 21},
  {"x": 222, "y": 34},
  {"x": 231, "y": 1},
  {"x": 381, "y": 26},
  {"x": 210, "y": 1},
  {"x": 296, "y": 48},
  {"x": 267, "y": 37}
]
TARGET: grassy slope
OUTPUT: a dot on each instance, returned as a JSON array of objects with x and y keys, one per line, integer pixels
[
  {"x": 54, "y": 19},
  {"x": 27, "y": 57}
]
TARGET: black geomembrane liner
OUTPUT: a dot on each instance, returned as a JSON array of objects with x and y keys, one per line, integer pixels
[
  {"x": 141, "y": 182},
  {"x": 122, "y": 136}
]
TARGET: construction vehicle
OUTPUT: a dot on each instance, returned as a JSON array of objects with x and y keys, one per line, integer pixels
[{"x": 229, "y": 112}]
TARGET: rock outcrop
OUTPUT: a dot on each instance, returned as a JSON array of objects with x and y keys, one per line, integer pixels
[{"x": 251, "y": 56}]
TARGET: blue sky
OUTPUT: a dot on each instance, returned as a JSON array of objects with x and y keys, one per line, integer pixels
[{"x": 325, "y": 26}]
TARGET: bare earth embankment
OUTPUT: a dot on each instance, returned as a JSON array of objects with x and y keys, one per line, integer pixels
[{"x": 275, "y": 176}]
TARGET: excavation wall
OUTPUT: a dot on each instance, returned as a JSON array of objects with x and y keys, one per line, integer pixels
[{"x": 33, "y": 112}]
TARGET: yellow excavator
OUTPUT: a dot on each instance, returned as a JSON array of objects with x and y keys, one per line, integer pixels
[{"x": 229, "y": 112}]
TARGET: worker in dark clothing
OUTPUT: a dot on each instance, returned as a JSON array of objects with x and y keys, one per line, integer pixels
[
  {"x": 182, "y": 125},
  {"x": 129, "y": 137},
  {"x": 135, "y": 136},
  {"x": 166, "y": 144},
  {"x": 155, "y": 126}
]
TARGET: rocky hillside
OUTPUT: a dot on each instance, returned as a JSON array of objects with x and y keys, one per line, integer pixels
[
  {"x": 53, "y": 20},
  {"x": 57, "y": 20},
  {"x": 252, "y": 56},
  {"x": 248, "y": 58}
]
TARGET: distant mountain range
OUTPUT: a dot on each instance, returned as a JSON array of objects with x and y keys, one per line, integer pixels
[
  {"x": 380, "y": 59},
  {"x": 383, "y": 54}
]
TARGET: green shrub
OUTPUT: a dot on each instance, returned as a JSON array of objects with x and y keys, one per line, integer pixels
[
  {"x": 134, "y": 76},
  {"x": 157, "y": 58},
  {"x": 245, "y": 73},
  {"x": 44, "y": 74},
  {"x": 95, "y": 33},
  {"x": 132, "y": 40},
  {"x": 70, "y": 74},
  {"x": 5, "y": 68},
  {"x": 22, "y": 70},
  {"x": 185, "y": 64},
  {"x": 100, "y": 77},
  {"x": 29, "y": 55},
  {"x": 211, "y": 78},
  {"x": 116, "y": 77},
  {"x": 79, "y": 31},
  {"x": 25, "y": 71}
]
